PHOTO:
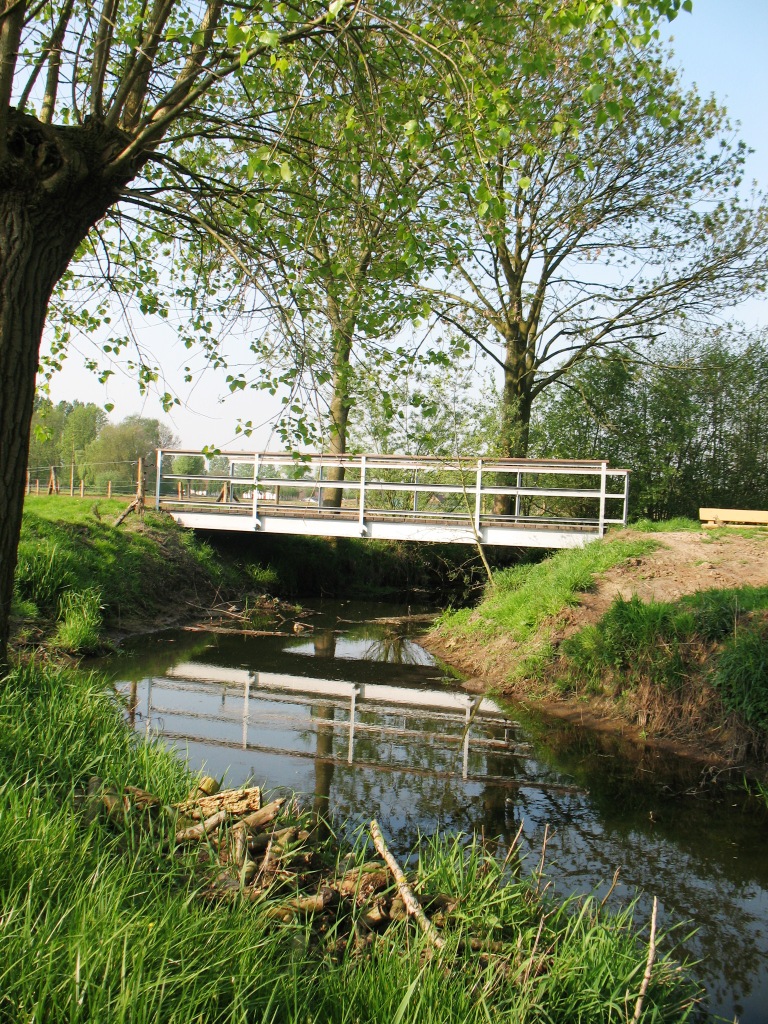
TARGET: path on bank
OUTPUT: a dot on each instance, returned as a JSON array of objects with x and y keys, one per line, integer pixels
[{"x": 684, "y": 562}]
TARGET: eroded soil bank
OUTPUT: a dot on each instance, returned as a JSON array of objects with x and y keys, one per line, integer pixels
[{"x": 684, "y": 563}]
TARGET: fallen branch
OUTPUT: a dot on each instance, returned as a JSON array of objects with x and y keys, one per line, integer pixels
[
  {"x": 649, "y": 964},
  {"x": 406, "y": 893}
]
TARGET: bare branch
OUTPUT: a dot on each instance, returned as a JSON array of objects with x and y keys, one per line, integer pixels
[
  {"x": 10, "y": 35},
  {"x": 101, "y": 50}
]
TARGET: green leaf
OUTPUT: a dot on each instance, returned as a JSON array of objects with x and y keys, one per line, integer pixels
[{"x": 285, "y": 171}]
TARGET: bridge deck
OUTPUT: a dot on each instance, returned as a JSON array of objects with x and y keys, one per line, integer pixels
[{"x": 525, "y": 503}]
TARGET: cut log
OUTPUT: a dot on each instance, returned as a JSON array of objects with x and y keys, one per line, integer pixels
[
  {"x": 204, "y": 828},
  {"x": 265, "y": 816},
  {"x": 235, "y": 801}
]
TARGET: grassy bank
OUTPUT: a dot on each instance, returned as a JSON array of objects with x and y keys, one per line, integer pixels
[
  {"x": 80, "y": 577},
  {"x": 696, "y": 665},
  {"x": 693, "y": 669},
  {"x": 520, "y": 608},
  {"x": 101, "y": 921}
]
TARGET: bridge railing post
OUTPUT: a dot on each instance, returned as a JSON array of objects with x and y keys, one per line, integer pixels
[
  {"x": 159, "y": 475},
  {"x": 256, "y": 523},
  {"x": 517, "y": 496},
  {"x": 363, "y": 529},
  {"x": 603, "y": 482},
  {"x": 478, "y": 495}
]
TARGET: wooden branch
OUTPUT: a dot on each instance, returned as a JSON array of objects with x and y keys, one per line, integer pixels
[
  {"x": 406, "y": 893},
  {"x": 649, "y": 964},
  {"x": 54, "y": 65},
  {"x": 128, "y": 99},
  {"x": 204, "y": 828},
  {"x": 10, "y": 37},
  {"x": 101, "y": 50}
]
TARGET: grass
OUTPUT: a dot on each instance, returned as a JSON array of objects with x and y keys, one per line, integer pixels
[
  {"x": 78, "y": 574},
  {"x": 714, "y": 642},
  {"x": 667, "y": 525},
  {"x": 524, "y": 599},
  {"x": 99, "y": 923}
]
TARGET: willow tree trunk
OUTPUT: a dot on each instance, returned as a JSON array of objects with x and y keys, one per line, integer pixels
[{"x": 53, "y": 189}]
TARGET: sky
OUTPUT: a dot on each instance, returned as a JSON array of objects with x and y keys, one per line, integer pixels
[{"x": 720, "y": 48}]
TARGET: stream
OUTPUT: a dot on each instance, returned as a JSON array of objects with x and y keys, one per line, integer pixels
[{"x": 355, "y": 716}]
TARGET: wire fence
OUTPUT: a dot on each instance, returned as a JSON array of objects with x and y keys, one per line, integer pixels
[{"x": 74, "y": 481}]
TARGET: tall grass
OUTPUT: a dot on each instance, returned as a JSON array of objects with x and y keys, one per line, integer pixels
[
  {"x": 100, "y": 923},
  {"x": 79, "y": 628}
]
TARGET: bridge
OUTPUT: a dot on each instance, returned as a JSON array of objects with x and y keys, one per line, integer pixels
[{"x": 546, "y": 503}]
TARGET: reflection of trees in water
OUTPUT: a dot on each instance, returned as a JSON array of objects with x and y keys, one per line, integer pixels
[
  {"x": 324, "y": 642},
  {"x": 395, "y": 648},
  {"x": 323, "y": 768}
]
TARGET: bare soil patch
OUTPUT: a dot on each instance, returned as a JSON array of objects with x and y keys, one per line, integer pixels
[{"x": 684, "y": 563}]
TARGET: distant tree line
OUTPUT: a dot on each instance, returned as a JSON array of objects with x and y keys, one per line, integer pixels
[
  {"x": 79, "y": 441},
  {"x": 688, "y": 415}
]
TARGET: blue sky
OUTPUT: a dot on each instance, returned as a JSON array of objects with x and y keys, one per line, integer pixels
[{"x": 721, "y": 47}]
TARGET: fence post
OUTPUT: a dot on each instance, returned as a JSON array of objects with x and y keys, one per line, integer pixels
[
  {"x": 82, "y": 488},
  {"x": 53, "y": 481},
  {"x": 109, "y": 488},
  {"x": 140, "y": 486},
  {"x": 517, "y": 496},
  {"x": 29, "y": 483},
  {"x": 626, "y": 497},
  {"x": 363, "y": 528},
  {"x": 603, "y": 479}
]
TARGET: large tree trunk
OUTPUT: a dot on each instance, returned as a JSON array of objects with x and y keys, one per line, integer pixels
[
  {"x": 52, "y": 191},
  {"x": 515, "y": 423},
  {"x": 339, "y": 412}
]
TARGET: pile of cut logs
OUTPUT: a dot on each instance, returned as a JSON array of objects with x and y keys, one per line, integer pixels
[{"x": 242, "y": 848}]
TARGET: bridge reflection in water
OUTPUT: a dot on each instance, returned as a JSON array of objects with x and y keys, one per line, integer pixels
[
  {"x": 547, "y": 503},
  {"x": 324, "y": 719}
]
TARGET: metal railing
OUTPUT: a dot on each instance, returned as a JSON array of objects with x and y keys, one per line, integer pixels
[{"x": 503, "y": 492}]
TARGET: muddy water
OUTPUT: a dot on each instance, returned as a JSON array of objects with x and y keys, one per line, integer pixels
[{"x": 358, "y": 718}]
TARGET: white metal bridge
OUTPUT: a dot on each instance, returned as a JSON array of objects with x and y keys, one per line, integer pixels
[{"x": 546, "y": 503}]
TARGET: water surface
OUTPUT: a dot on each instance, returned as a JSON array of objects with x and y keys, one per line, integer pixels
[{"x": 358, "y": 718}]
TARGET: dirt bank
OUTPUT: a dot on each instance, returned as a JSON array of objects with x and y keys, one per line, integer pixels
[{"x": 683, "y": 563}]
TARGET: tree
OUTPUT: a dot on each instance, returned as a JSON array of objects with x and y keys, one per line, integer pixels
[
  {"x": 115, "y": 453},
  {"x": 45, "y": 436},
  {"x": 95, "y": 94},
  {"x": 596, "y": 225},
  {"x": 341, "y": 228},
  {"x": 82, "y": 426},
  {"x": 430, "y": 410},
  {"x": 687, "y": 416}
]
